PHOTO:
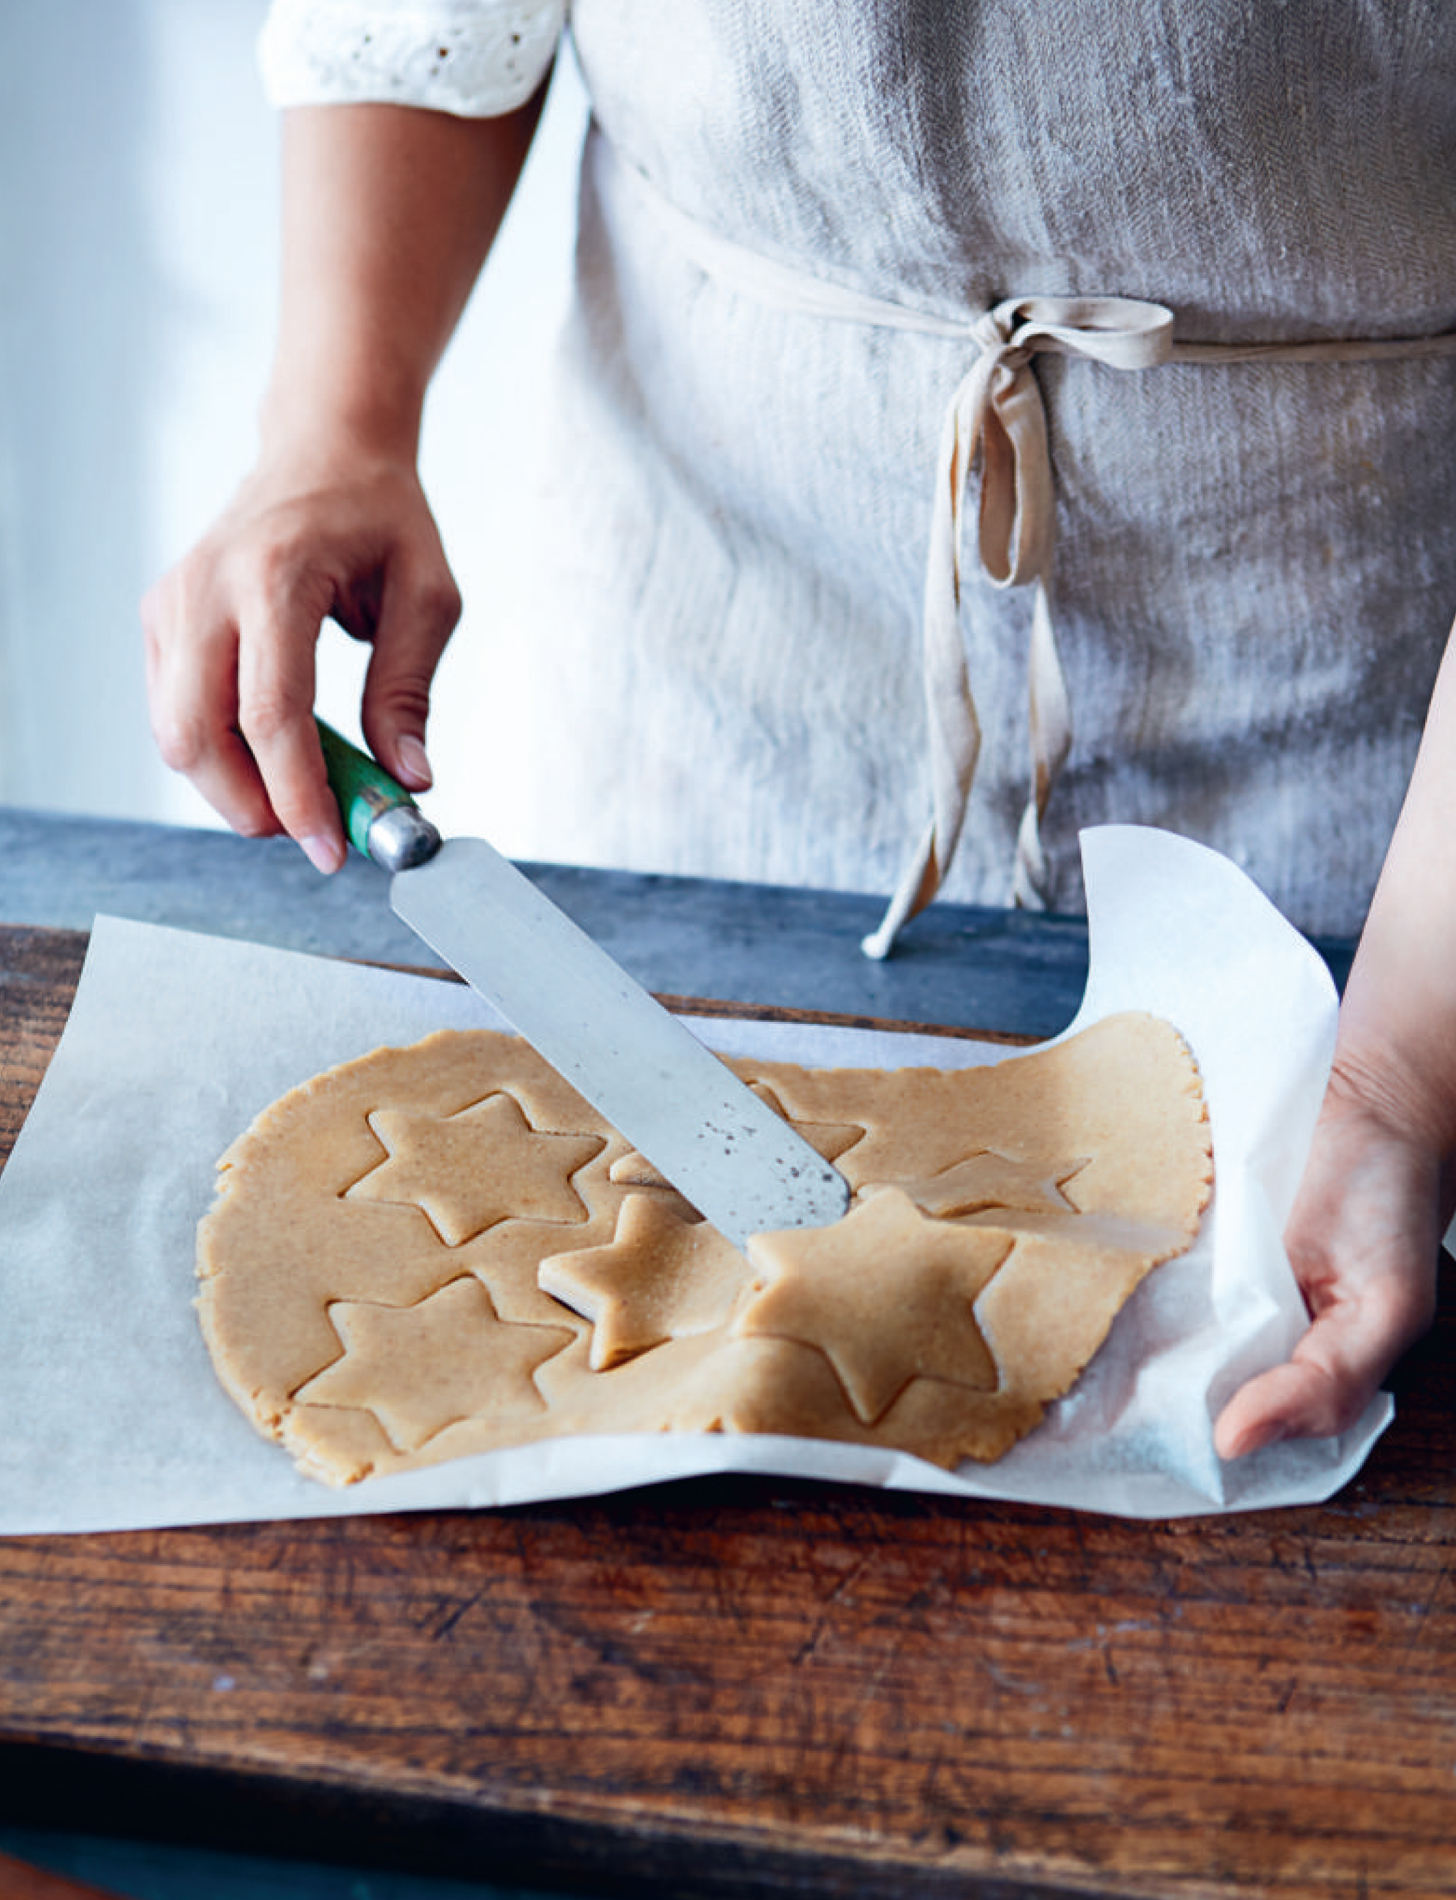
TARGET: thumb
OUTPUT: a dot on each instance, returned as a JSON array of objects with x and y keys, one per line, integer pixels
[
  {"x": 418, "y": 613},
  {"x": 1335, "y": 1369}
]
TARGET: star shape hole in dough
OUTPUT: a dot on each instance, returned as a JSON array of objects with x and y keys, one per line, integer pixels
[
  {"x": 989, "y": 1179},
  {"x": 659, "y": 1278},
  {"x": 482, "y": 1165},
  {"x": 420, "y": 1368},
  {"x": 830, "y": 1139},
  {"x": 885, "y": 1294}
]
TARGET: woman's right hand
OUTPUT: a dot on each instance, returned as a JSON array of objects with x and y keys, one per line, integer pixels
[
  {"x": 231, "y": 632},
  {"x": 388, "y": 212}
]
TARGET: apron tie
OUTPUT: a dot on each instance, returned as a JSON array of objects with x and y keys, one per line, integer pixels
[{"x": 997, "y": 413}]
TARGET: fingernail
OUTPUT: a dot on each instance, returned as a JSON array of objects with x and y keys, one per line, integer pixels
[
  {"x": 323, "y": 853},
  {"x": 413, "y": 762}
]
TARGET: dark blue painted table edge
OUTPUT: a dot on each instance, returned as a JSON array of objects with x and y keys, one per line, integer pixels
[{"x": 958, "y": 966}]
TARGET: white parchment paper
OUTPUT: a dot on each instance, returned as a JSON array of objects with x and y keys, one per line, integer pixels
[{"x": 111, "y": 1417}]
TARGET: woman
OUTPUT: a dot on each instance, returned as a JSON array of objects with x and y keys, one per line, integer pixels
[{"x": 1196, "y": 263}]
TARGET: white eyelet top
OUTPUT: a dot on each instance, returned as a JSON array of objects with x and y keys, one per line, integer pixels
[{"x": 477, "y": 58}]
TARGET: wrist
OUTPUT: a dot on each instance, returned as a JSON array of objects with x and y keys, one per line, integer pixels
[
  {"x": 1396, "y": 1064},
  {"x": 315, "y": 407}
]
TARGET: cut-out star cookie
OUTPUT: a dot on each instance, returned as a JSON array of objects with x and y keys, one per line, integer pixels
[
  {"x": 989, "y": 1179},
  {"x": 660, "y": 1278},
  {"x": 885, "y": 1294},
  {"x": 830, "y": 1139},
  {"x": 419, "y": 1368},
  {"x": 470, "y": 1170}
]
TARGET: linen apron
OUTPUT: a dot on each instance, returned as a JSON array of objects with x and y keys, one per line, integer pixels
[{"x": 1254, "y": 567}]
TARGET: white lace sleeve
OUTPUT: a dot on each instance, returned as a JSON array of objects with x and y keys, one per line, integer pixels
[{"x": 473, "y": 57}]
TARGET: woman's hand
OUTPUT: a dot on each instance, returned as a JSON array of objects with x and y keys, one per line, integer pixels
[
  {"x": 231, "y": 632},
  {"x": 1365, "y": 1233},
  {"x": 1363, "y": 1240}
]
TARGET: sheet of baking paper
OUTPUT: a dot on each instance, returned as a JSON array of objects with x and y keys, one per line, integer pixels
[{"x": 111, "y": 1417}]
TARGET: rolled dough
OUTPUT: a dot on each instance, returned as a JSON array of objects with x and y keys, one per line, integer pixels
[{"x": 439, "y": 1250}]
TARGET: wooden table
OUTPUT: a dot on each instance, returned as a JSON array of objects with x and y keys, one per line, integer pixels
[{"x": 755, "y": 1687}]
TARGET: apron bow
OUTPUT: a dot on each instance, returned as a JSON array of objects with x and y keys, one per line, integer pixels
[{"x": 997, "y": 413}]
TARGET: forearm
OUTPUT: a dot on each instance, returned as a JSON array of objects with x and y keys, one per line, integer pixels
[
  {"x": 1397, "y": 1037},
  {"x": 388, "y": 214}
]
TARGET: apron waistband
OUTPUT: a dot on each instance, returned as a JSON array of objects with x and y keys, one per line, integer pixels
[{"x": 995, "y": 413}]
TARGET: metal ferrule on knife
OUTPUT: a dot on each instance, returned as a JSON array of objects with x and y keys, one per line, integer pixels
[{"x": 382, "y": 820}]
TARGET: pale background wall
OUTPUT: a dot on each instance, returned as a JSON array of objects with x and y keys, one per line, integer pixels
[{"x": 138, "y": 182}]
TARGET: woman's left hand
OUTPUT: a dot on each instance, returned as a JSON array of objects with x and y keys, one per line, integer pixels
[
  {"x": 1363, "y": 1239},
  {"x": 1365, "y": 1234}
]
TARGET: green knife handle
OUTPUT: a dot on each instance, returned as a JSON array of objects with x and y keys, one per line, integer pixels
[{"x": 379, "y": 815}]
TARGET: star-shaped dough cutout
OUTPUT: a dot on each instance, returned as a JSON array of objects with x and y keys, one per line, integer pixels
[
  {"x": 989, "y": 1179},
  {"x": 659, "y": 1278},
  {"x": 468, "y": 1171},
  {"x": 830, "y": 1139},
  {"x": 885, "y": 1294},
  {"x": 420, "y": 1368}
]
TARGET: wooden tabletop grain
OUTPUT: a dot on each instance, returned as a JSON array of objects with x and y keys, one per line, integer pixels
[{"x": 754, "y": 1687}]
